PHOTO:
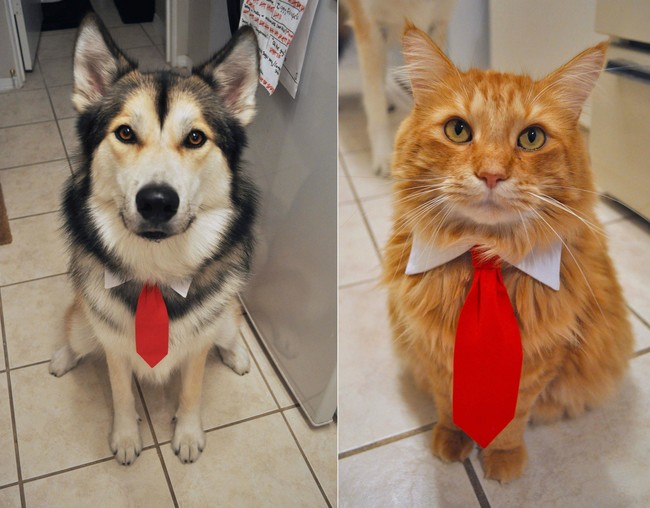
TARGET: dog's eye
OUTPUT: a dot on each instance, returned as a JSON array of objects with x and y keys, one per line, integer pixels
[
  {"x": 195, "y": 139},
  {"x": 125, "y": 134}
]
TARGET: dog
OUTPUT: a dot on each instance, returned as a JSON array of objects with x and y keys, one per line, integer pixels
[
  {"x": 159, "y": 201},
  {"x": 377, "y": 24}
]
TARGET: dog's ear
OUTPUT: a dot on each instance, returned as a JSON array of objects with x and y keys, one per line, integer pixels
[
  {"x": 234, "y": 71},
  {"x": 98, "y": 63}
]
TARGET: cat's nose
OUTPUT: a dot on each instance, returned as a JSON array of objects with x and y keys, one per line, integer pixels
[{"x": 491, "y": 178}]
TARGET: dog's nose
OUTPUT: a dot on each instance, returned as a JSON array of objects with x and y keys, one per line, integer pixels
[{"x": 157, "y": 203}]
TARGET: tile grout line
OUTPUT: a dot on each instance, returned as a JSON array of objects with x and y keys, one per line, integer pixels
[
  {"x": 77, "y": 467},
  {"x": 304, "y": 456},
  {"x": 11, "y": 405},
  {"x": 157, "y": 444},
  {"x": 34, "y": 364},
  {"x": 637, "y": 315},
  {"x": 242, "y": 420},
  {"x": 481, "y": 497},
  {"x": 56, "y": 119},
  {"x": 34, "y": 215},
  {"x": 19, "y": 166},
  {"x": 268, "y": 358},
  {"x": 37, "y": 121},
  {"x": 362, "y": 212},
  {"x": 32, "y": 280},
  {"x": 386, "y": 441},
  {"x": 348, "y": 285}
]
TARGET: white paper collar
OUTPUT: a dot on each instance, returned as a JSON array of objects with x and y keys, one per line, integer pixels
[
  {"x": 541, "y": 264},
  {"x": 111, "y": 280}
]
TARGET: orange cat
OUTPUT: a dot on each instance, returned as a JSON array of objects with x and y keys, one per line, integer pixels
[{"x": 496, "y": 160}]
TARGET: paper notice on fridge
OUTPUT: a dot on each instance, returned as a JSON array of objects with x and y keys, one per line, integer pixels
[
  {"x": 292, "y": 68},
  {"x": 276, "y": 23}
]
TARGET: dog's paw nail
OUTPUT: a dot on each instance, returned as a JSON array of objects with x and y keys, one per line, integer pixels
[{"x": 173, "y": 419}]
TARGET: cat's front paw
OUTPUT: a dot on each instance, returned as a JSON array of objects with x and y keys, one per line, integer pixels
[
  {"x": 504, "y": 465},
  {"x": 450, "y": 445}
]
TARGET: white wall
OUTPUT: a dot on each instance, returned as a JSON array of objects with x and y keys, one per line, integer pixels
[
  {"x": 468, "y": 42},
  {"x": 535, "y": 36}
]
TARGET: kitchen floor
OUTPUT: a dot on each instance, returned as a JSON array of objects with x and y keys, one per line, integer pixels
[
  {"x": 599, "y": 459},
  {"x": 54, "y": 431}
]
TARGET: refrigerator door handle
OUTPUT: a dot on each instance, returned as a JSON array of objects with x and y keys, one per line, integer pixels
[{"x": 628, "y": 69}]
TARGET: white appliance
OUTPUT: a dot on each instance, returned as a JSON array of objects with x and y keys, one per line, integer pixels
[
  {"x": 292, "y": 155},
  {"x": 28, "y": 16},
  {"x": 619, "y": 145}
]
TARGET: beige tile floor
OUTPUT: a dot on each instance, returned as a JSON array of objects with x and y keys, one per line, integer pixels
[
  {"x": 600, "y": 459},
  {"x": 54, "y": 432}
]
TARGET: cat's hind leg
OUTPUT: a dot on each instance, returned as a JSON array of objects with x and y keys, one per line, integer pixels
[{"x": 587, "y": 376}]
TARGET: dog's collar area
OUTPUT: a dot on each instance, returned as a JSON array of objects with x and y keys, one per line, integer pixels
[{"x": 112, "y": 279}]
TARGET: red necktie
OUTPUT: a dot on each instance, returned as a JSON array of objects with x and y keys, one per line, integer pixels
[
  {"x": 487, "y": 355},
  {"x": 151, "y": 325}
]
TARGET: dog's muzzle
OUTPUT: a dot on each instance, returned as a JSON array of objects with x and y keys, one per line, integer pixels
[{"x": 156, "y": 204}]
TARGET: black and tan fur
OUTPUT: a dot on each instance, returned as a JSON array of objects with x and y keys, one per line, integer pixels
[{"x": 209, "y": 238}]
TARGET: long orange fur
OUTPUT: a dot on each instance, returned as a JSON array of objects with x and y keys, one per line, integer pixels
[{"x": 577, "y": 341}]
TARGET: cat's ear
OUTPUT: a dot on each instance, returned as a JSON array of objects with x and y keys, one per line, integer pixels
[
  {"x": 98, "y": 63},
  {"x": 572, "y": 83},
  {"x": 426, "y": 64},
  {"x": 235, "y": 72}
]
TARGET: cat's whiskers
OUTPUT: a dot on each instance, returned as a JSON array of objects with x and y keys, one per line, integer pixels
[
  {"x": 523, "y": 225},
  {"x": 419, "y": 211},
  {"x": 574, "y": 260},
  {"x": 424, "y": 191},
  {"x": 579, "y": 189},
  {"x": 552, "y": 201}
]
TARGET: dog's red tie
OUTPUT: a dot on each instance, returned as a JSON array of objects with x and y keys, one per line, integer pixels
[
  {"x": 151, "y": 325},
  {"x": 487, "y": 355}
]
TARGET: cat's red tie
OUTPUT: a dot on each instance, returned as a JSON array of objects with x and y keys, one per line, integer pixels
[
  {"x": 151, "y": 326},
  {"x": 487, "y": 355}
]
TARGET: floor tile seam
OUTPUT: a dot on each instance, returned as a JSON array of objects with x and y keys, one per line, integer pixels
[
  {"x": 58, "y": 127},
  {"x": 361, "y": 210},
  {"x": 31, "y": 123},
  {"x": 253, "y": 330},
  {"x": 12, "y": 411},
  {"x": 349, "y": 285},
  {"x": 156, "y": 444},
  {"x": 385, "y": 441},
  {"x": 3, "y": 286},
  {"x": 476, "y": 484},
  {"x": 20, "y": 166},
  {"x": 34, "y": 364},
  {"x": 636, "y": 314},
  {"x": 138, "y": 47},
  {"x": 640, "y": 352},
  {"x": 236, "y": 422},
  {"x": 8, "y": 485},
  {"x": 84, "y": 465},
  {"x": 306, "y": 459},
  {"x": 153, "y": 43},
  {"x": 29, "y": 216},
  {"x": 34, "y": 215}
]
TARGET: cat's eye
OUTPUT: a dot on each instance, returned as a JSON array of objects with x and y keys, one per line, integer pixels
[
  {"x": 125, "y": 134},
  {"x": 195, "y": 139},
  {"x": 531, "y": 138},
  {"x": 458, "y": 131}
]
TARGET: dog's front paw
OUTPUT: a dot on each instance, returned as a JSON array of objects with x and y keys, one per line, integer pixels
[
  {"x": 126, "y": 443},
  {"x": 504, "y": 465},
  {"x": 189, "y": 439},
  {"x": 450, "y": 445},
  {"x": 62, "y": 361},
  {"x": 236, "y": 358}
]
